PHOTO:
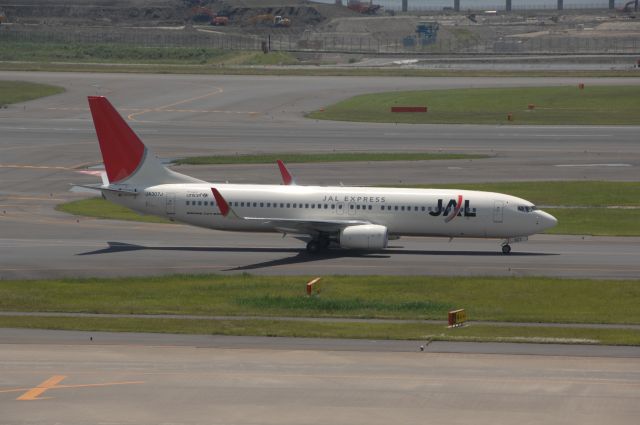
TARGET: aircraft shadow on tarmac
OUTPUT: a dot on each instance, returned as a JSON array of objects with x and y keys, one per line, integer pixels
[{"x": 302, "y": 256}]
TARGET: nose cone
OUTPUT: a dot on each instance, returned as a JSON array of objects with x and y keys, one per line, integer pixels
[{"x": 546, "y": 220}]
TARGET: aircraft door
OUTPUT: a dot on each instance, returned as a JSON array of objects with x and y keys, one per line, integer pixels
[
  {"x": 498, "y": 209},
  {"x": 171, "y": 203}
]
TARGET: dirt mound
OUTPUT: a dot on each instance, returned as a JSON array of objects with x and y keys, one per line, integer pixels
[
  {"x": 243, "y": 13},
  {"x": 91, "y": 12}
]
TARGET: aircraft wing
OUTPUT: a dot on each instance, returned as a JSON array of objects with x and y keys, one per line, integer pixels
[
  {"x": 306, "y": 227},
  {"x": 288, "y": 225}
]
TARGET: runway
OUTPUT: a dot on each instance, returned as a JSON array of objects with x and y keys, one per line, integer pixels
[
  {"x": 64, "y": 377},
  {"x": 46, "y": 141}
]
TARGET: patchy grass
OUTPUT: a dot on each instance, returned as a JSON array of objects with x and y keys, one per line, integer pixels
[
  {"x": 111, "y": 53},
  {"x": 22, "y": 91},
  {"x": 509, "y": 299},
  {"x": 595, "y": 105},
  {"x": 271, "y": 58},
  {"x": 322, "y": 157}
]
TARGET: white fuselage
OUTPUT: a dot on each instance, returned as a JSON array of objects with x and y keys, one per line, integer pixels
[{"x": 416, "y": 212}]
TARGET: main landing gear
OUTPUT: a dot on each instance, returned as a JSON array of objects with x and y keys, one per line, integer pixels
[
  {"x": 506, "y": 249},
  {"x": 315, "y": 246}
]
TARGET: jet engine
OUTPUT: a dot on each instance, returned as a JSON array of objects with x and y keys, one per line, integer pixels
[{"x": 364, "y": 236}]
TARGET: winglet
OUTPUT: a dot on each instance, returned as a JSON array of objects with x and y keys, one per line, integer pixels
[
  {"x": 287, "y": 178},
  {"x": 223, "y": 205}
]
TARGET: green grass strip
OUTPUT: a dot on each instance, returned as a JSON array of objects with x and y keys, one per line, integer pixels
[
  {"x": 222, "y": 67},
  {"x": 284, "y": 328},
  {"x": 100, "y": 208},
  {"x": 109, "y": 53},
  {"x": 21, "y": 91},
  {"x": 121, "y": 53},
  {"x": 560, "y": 193},
  {"x": 595, "y": 221},
  {"x": 595, "y": 105},
  {"x": 513, "y": 299},
  {"x": 322, "y": 157}
]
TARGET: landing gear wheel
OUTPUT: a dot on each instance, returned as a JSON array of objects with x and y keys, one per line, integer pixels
[
  {"x": 506, "y": 249},
  {"x": 313, "y": 247}
]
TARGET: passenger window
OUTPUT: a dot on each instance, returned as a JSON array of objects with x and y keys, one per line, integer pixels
[
  {"x": 340, "y": 206},
  {"x": 187, "y": 203},
  {"x": 370, "y": 207},
  {"x": 295, "y": 205},
  {"x": 402, "y": 208},
  {"x": 281, "y": 204},
  {"x": 288, "y": 205},
  {"x": 242, "y": 204},
  {"x": 199, "y": 202},
  {"x": 350, "y": 207},
  {"x": 326, "y": 206},
  {"x": 268, "y": 204},
  {"x": 261, "y": 204},
  {"x": 306, "y": 205},
  {"x": 255, "y": 204},
  {"x": 396, "y": 208},
  {"x": 333, "y": 207}
]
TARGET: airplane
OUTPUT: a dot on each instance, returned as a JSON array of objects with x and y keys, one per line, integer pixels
[{"x": 360, "y": 218}]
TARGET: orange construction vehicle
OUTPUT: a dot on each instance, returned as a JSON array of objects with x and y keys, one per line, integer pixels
[
  {"x": 363, "y": 7},
  {"x": 203, "y": 14},
  {"x": 282, "y": 22}
]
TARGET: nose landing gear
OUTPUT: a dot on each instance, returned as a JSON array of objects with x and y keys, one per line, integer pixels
[{"x": 506, "y": 247}]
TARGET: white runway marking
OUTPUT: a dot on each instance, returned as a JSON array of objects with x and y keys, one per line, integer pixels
[{"x": 593, "y": 165}]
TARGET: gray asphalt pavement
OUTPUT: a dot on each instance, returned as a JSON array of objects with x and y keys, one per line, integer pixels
[{"x": 64, "y": 377}]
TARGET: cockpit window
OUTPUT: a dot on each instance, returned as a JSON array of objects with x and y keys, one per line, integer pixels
[{"x": 526, "y": 208}]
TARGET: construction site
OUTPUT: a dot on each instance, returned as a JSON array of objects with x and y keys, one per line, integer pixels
[{"x": 348, "y": 26}]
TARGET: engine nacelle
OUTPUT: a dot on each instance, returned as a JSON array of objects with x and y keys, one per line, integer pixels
[{"x": 364, "y": 236}]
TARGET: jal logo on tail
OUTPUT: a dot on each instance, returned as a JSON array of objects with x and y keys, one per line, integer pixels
[{"x": 453, "y": 209}]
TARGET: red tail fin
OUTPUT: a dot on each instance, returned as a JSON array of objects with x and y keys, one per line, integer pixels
[
  {"x": 122, "y": 150},
  {"x": 287, "y": 178}
]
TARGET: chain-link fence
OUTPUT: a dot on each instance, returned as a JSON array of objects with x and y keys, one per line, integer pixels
[
  {"x": 542, "y": 45},
  {"x": 475, "y": 5},
  {"x": 323, "y": 42}
]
